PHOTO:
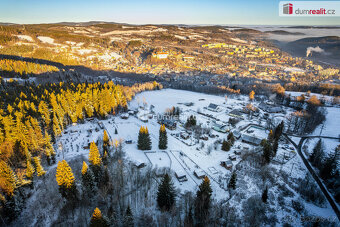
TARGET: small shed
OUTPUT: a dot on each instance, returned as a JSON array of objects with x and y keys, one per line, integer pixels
[
  {"x": 227, "y": 164},
  {"x": 199, "y": 174},
  {"x": 181, "y": 176}
]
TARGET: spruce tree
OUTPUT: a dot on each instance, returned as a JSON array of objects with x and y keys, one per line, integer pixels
[
  {"x": 232, "y": 181},
  {"x": 163, "y": 139},
  {"x": 278, "y": 130},
  {"x": 317, "y": 154},
  {"x": 144, "y": 141},
  {"x": 265, "y": 195},
  {"x": 98, "y": 220},
  {"x": 225, "y": 145},
  {"x": 166, "y": 194},
  {"x": 141, "y": 139},
  {"x": 203, "y": 200},
  {"x": 267, "y": 151},
  {"x": 128, "y": 218},
  {"x": 329, "y": 167},
  {"x": 87, "y": 179},
  {"x": 147, "y": 139}
]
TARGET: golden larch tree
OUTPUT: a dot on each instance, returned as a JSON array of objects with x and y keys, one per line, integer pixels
[
  {"x": 94, "y": 156},
  {"x": 8, "y": 179},
  {"x": 64, "y": 175},
  {"x": 39, "y": 168}
]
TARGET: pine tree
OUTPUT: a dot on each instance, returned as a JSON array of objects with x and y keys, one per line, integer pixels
[
  {"x": 65, "y": 180},
  {"x": 128, "y": 218},
  {"x": 38, "y": 166},
  {"x": 232, "y": 181},
  {"x": 225, "y": 145},
  {"x": 166, "y": 194},
  {"x": 87, "y": 179},
  {"x": 203, "y": 200},
  {"x": 163, "y": 138},
  {"x": 265, "y": 195},
  {"x": 97, "y": 219}
]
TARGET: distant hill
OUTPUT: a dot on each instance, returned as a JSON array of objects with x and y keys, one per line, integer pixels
[
  {"x": 282, "y": 32},
  {"x": 311, "y": 27},
  {"x": 329, "y": 44},
  {"x": 247, "y": 30},
  {"x": 319, "y": 40}
]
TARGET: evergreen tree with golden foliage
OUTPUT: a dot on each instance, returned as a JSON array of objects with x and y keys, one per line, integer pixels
[
  {"x": 144, "y": 141},
  {"x": 8, "y": 179},
  {"x": 95, "y": 161},
  {"x": 38, "y": 166},
  {"x": 163, "y": 138},
  {"x": 106, "y": 142},
  {"x": 97, "y": 219},
  {"x": 66, "y": 180},
  {"x": 49, "y": 151},
  {"x": 94, "y": 156},
  {"x": 29, "y": 169}
]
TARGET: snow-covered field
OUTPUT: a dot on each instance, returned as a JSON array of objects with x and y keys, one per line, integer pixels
[
  {"x": 25, "y": 37},
  {"x": 331, "y": 126},
  {"x": 46, "y": 39},
  {"x": 182, "y": 158}
]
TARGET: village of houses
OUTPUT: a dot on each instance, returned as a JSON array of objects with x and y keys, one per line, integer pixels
[{"x": 190, "y": 155}]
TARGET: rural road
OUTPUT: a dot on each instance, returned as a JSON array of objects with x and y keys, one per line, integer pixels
[{"x": 311, "y": 170}]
